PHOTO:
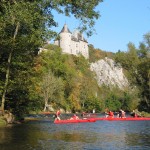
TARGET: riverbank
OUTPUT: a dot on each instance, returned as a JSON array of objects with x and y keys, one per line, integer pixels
[{"x": 145, "y": 114}]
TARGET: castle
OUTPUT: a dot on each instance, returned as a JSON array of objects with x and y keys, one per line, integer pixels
[{"x": 72, "y": 43}]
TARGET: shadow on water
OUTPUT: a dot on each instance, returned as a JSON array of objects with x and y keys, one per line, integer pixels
[{"x": 106, "y": 135}]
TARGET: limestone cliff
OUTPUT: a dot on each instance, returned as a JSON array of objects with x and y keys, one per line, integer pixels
[{"x": 109, "y": 73}]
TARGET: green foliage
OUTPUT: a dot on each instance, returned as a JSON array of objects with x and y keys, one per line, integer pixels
[
  {"x": 83, "y": 10},
  {"x": 77, "y": 79},
  {"x": 51, "y": 47},
  {"x": 112, "y": 103},
  {"x": 114, "y": 98},
  {"x": 51, "y": 88},
  {"x": 137, "y": 63},
  {"x": 97, "y": 54},
  {"x": 21, "y": 33},
  {"x": 18, "y": 90},
  {"x": 127, "y": 100},
  {"x": 92, "y": 103}
]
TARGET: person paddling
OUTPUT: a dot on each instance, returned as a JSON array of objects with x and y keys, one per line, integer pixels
[
  {"x": 109, "y": 114},
  {"x": 57, "y": 115},
  {"x": 135, "y": 113},
  {"x": 122, "y": 114},
  {"x": 74, "y": 117}
]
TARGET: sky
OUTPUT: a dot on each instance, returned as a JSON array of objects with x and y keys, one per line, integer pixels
[{"x": 121, "y": 22}]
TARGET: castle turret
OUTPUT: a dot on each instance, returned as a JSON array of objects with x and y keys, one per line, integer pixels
[{"x": 65, "y": 39}]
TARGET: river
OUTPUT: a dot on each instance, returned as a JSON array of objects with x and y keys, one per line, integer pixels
[{"x": 101, "y": 135}]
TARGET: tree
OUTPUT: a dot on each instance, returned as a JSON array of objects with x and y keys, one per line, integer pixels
[
  {"x": 83, "y": 10},
  {"x": 26, "y": 24},
  {"x": 51, "y": 89},
  {"x": 20, "y": 28},
  {"x": 112, "y": 102},
  {"x": 143, "y": 71},
  {"x": 137, "y": 63}
]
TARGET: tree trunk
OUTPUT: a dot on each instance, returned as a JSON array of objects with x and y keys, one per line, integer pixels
[
  {"x": 6, "y": 81},
  {"x": 46, "y": 105},
  {"x": 8, "y": 71}
]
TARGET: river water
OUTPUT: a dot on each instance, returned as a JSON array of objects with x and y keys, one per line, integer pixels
[{"x": 100, "y": 135}]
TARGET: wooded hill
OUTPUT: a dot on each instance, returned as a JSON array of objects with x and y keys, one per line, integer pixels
[{"x": 65, "y": 81}]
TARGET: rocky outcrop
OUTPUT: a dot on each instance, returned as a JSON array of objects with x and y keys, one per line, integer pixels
[
  {"x": 109, "y": 73},
  {"x": 9, "y": 117}
]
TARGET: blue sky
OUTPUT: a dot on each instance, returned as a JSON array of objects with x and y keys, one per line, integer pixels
[{"x": 121, "y": 22}]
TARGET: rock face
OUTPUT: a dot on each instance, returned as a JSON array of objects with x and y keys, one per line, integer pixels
[{"x": 109, "y": 73}]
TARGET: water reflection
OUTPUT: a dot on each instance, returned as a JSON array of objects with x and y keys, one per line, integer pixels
[{"x": 105, "y": 135}]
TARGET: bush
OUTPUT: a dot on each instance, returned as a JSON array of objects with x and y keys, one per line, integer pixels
[{"x": 2, "y": 122}]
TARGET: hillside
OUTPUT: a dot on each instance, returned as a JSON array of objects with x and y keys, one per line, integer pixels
[
  {"x": 87, "y": 85},
  {"x": 54, "y": 80}
]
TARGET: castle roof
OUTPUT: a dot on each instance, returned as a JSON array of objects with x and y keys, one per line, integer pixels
[
  {"x": 65, "y": 29},
  {"x": 76, "y": 36}
]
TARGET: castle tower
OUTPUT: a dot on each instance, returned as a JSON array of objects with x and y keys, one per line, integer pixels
[{"x": 65, "y": 39}]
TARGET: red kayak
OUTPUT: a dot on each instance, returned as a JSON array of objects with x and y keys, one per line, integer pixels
[
  {"x": 124, "y": 119},
  {"x": 74, "y": 121}
]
